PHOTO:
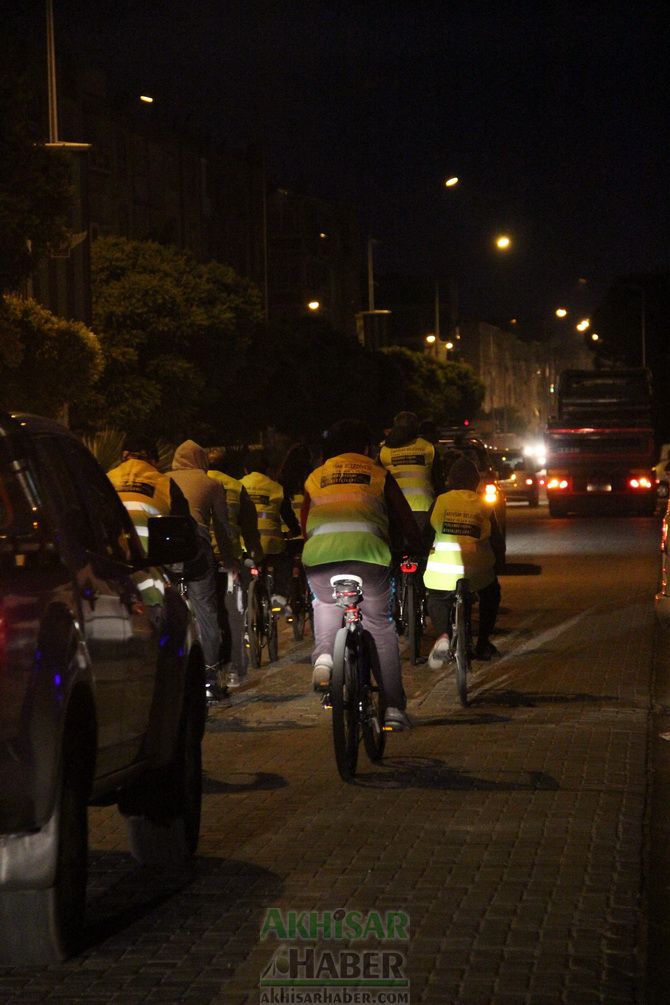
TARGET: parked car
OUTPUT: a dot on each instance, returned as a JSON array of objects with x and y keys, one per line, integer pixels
[
  {"x": 662, "y": 472},
  {"x": 102, "y": 698},
  {"x": 518, "y": 480},
  {"x": 457, "y": 440}
]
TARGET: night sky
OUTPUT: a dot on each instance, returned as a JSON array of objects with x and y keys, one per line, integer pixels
[{"x": 554, "y": 115}]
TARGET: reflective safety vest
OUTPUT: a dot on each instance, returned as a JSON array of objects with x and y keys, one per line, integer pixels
[
  {"x": 347, "y": 520},
  {"x": 233, "y": 491},
  {"x": 412, "y": 466},
  {"x": 267, "y": 496},
  {"x": 462, "y": 547},
  {"x": 145, "y": 492}
]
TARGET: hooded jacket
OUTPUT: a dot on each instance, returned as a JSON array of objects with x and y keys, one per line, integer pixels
[{"x": 206, "y": 497}]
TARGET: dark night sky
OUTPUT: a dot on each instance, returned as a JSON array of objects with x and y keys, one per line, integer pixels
[{"x": 555, "y": 115}]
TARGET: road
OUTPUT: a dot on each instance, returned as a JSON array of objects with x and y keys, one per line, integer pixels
[{"x": 512, "y": 833}]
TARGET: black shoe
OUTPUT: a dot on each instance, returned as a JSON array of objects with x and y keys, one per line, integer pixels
[{"x": 486, "y": 651}]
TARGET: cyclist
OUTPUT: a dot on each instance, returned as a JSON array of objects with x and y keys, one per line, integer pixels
[
  {"x": 272, "y": 506},
  {"x": 414, "y": 463},
  {"x": 224, "y": 467},
  {"x": 352, "y": 513},
  {"x": 207, "y": 500},
  {"x": 146, "y": 492},
  {"x": 465, "y": 543}
]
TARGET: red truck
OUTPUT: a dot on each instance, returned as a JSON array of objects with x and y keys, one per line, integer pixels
[{"x": 600, "y": 444}]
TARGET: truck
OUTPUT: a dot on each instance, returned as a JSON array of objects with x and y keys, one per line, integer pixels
[{"x": 600, "y": 443}]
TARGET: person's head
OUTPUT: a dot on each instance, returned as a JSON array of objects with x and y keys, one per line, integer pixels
[
  {"x": 295, "y": 468},
  {"x": 463, "y": 475},
  {"x": 404, "y": 430},
  {"x": 348, "y": 436},
  {"x": 226, "y": 460},
  {"x": 428, "y": 429},
  {"x": 142, "y": 447},
  {"x": 256, "y": 460}
]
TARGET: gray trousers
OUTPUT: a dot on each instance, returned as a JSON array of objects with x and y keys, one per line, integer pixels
[
  {"x": 202, "y": 594},
  {"x": 377, "y": 618}
]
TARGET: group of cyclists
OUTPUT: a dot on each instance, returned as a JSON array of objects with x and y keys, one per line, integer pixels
[{"x": 356, "y": 513}]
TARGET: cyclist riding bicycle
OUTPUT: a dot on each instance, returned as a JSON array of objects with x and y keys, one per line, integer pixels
[
  {"x": 465, "y": 543},
  {"x": 352, "y": 513},
  {"x": 414, "y": 463}
]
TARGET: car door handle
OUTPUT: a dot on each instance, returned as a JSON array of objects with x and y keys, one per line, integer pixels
[{"x": 89, "y": 593}]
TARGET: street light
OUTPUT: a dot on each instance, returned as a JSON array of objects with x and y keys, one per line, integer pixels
[
  {"x": 147, "y": 99},
  {"x": 450, "y": 182},
  {"x": 503, "y": 242},
  {"x": 430, "y": 339},
  {"x": 561, "y": 312},
  {"x": 314, "y": 305},
  {"x": 583, "y": 325}
]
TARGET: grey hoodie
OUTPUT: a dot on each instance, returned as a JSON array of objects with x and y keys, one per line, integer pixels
[{"x": 206, "y": 497}]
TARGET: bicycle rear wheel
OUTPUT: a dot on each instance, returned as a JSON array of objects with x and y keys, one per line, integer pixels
[
  {"x": 344, "y": 698},
  {"x": 272, "y": 634},
  {"x": 374, "y": 736},
  {"x": 252, "y": 626},
  {"x": 461, "y": 648},
  {"x": 412, "y": 619}
]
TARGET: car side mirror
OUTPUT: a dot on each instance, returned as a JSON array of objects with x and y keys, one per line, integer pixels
[{"x": 171, "y": 539}]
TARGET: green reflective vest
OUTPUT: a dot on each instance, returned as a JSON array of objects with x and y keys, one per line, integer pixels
[{"x": 412, "y": 468}]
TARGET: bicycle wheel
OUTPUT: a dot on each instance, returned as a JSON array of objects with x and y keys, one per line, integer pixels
[
  {"x": 410, "y": 619},
  {"x": 272, "y": 633},
  {"x": 461, "y": 648},
  {"x": 252, "y": 626},
  {"x": 344, "y": 698},
  {"x": 374, "y": 736}
]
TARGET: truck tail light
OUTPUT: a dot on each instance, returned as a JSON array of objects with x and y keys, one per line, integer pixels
[
  {"x": 640, "y": 482},
  {"x": 558, "y": 484}
]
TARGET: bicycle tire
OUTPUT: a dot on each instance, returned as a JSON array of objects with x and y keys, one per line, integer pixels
[
  {"x": 298, "y": 625},
  {"x": 252, "y": 627},
  {"x": 462, "y": 649},
  {"x": 410, "y": 619},
  {"x": 272, "y": 634},
  {"x": 344, "y": 698},
  {"x": 372, "y": 725}
]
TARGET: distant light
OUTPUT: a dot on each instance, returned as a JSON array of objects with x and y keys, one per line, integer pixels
[
  {"x": 561, "y": 312},
  {"x": 595, "y": 336},
  {"x": 450, "y": 182},
  {"x": 146, "y": 99},
  {"x": 503, "y": 242},
  {"x": 430, "y": 339},
  {"x": 322, "y": 235},
  {"x": 449, "y": 345},
  {"x": 584, "y": 324},
  {"x": 513, "y": 321},
  {"x": 314, "y": 305}
]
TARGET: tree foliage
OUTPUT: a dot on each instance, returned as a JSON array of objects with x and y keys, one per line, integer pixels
[
  {"x": 47, "y": 362},
  {"x": 35, "y": 189},
  {"x": 175, "y": 334}
]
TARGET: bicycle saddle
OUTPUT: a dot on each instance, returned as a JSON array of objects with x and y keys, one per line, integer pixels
[{"x": 344, "y": 581}]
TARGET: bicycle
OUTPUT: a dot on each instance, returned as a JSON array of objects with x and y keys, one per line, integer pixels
[
  {"x": 356, "y": 700},
  {"x": 411, "y": 600},
  {"x": 460, "y": 644},
  {"x": 300, "y": 596},
  {"x": 260, "y": 617}
]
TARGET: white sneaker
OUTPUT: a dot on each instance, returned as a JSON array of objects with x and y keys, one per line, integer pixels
[
  {"x": 323, "y": 667},
  {"x": 439, "y": 654}
]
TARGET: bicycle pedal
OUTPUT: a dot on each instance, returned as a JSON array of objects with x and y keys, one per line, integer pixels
[{"x": 326, "y": 701}]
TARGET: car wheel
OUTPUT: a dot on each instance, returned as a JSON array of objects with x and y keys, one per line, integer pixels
[
  {"x": 163, "y": 807},
  {"x": 557, "y": 508},
  {"x": 44, "y": 926}
]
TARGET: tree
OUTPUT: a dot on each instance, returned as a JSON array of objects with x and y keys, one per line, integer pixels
[
  {"x": 448, "y": 393},
  {"x": 47, "y": 363},
  {"x": 176, "y": 336},
  {"x": 35, "y": 190}
]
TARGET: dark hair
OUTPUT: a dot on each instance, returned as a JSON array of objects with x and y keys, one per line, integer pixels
[
  {"x": 141, "y": 446},
  {"x": 463, "y": 475},
  {"x": 295, "y": 468},
  {"x": 345, "y": 437},
  {"x": 428, "y": 429},
  {"x": 256, "y": 460}
]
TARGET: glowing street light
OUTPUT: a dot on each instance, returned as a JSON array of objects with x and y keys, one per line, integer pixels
[
  {"x": 147, "y": 99},
  {"x": 449, "y": 346},
  {"x": 561, "y": 312},
  {"x": 583, "y": 325},
  {"x": 451, "y": 182},
  {"x": 595, "y": 337},
  {"x": 314, "y": 305},
  {"x": 503, "y": 242},
  {"x": 430, "y": 339}
]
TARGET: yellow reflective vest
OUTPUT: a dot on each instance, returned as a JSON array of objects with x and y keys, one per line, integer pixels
[
  {"x": 267, "y": 496},
  {"x": 145, "y": 492},
  {"x": 347, "y": 520},
  {"x": 412, "y": 467},
  {"x": 462, "y": 547},
  {"x": 233, "y": 489}
]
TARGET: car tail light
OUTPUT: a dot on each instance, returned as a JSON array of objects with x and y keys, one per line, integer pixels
[
  {"x": 641, "y": 482},
  {"x": 529, "y": 481},
  {"x": 490, "y": 493},
  {"x": 558, "y": 484}
]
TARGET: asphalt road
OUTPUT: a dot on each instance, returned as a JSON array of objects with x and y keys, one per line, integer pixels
[{"x": 514, "y": 835}]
